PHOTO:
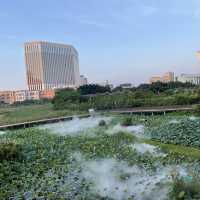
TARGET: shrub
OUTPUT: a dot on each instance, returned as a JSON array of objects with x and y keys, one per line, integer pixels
[
  {"x": 127, "y": 121},
  {"x": 197, "y": 109},
  {"x": 9, "y": 151},
  {"x": 102, "y": 123},
  {"x": 185, "y": 188}
]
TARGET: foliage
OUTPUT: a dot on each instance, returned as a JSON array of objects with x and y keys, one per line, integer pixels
[
  {"x": 185, "y": 188},
  {"x": 146, "y": 95},
  {"x": 159, "y": 87},
  {"x": 48, "y": 160},
  {"x": 197, "y": 109},
  {"x": 64, "y": 97},
  {"x": 128, "y": 121},
  {"x": 185, "y": 132},
  {"x": 31, "y": 102},
  {"x": 9, "y": 151},
  {"x": 102, "y": 123},
  {"x": 93, "y": 89}
]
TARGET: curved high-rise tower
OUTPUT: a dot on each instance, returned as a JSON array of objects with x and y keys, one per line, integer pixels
[{"x": 51, "y": 65}]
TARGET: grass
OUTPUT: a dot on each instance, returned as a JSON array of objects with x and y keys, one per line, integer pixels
[
  {"x": 172, "y": 149},
  {"x": 17, "y": 114}
]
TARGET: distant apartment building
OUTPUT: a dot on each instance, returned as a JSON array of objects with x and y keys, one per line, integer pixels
[
  {"x": 83, "y": 80},
  {"x": 24, "y": 95},
  {"x": 7, "y": 97},
  {"x": 47, "y": 94},
  {"x": 51, "y": 65},
  {"x": 190, "y": 78},
  {"x": 155, "y": 79},
  {"x": 166, "y": 78}
]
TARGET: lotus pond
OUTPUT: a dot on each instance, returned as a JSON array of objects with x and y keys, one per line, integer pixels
[{"x": 103, "y": 157}]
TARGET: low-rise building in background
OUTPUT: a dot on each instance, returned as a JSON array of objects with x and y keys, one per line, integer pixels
[
  {"x": 166, "y": 78},
  {"x": 83, "y": 80},
  {"x": 10, "y": 97},
  {"x": 155, "y": 79},
  {"x": 47, "y": 94},
  {"x": 7, "y": 97},
  {"x": 190, "y": 78},
  {"x": 24, "y": 95}
]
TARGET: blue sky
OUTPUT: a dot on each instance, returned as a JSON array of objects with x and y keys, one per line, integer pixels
[{"x": 118, "y": 40}]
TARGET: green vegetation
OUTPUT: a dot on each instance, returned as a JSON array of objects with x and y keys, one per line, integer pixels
[
  {"x": 93, "y": 89},
  {"x": 17, "y": 114},
  {"x": 157, "y": 94},
  {"x": 46, "y": 153},
  {"x": 185, "y": 189},
  {"x": 128, "y": 121},
  {"x": 102, "y": 123},
  {"x": 38, "y": 164},
  {"x": 9, "y": 151},
  {"x": 188, "y": 153},
  {"x": 185, "y": 132}
]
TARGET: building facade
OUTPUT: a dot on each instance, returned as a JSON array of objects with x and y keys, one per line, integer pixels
[
  {"x": 83, "y": 80},
  {"x": 190, "y": 78},
  {"x": 24, "y": 95},
  {"x": 7, "y": 97},
  {"x": 166, "y": 78},
  {"x": 47, "y": 94},
  {"x": 51, "y": 65},
  {"x": 155, "y": 79}
]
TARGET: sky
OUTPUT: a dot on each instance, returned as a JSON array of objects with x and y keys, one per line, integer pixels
[{"x": 117, "y": 40}]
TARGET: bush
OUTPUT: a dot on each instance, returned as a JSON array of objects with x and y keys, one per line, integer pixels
[
  {"x": 65, "y": 97},
  {"x": 127, "y": 121},
  {"x": 197, "y": 109},
  {"x": 9, "y": 151},
  {"x": 185, "y": 188},
  {"x": 102, "y": 123}
]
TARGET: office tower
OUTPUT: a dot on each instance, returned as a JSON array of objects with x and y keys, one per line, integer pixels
[{"x": 51, "y": 66}]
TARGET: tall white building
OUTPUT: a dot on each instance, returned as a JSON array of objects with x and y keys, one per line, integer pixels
[{"x": 51, "y": 65}]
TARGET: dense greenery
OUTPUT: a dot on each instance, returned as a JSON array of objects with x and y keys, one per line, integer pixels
[
  {"x": 185, "y": 132},
  {"x": 157, "y": 94},
  {"x": 93, "y": 89},
  {"x": 65, "y": 97},
  {"x": 159, "y": 87},
  {"x": 127, "y": 121},
  {"x": 46, "y": 153},
  {"x": 9, "y": 151},
  {"x": 41, "y": 165},
  {"x": 185, "y": 189}
]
